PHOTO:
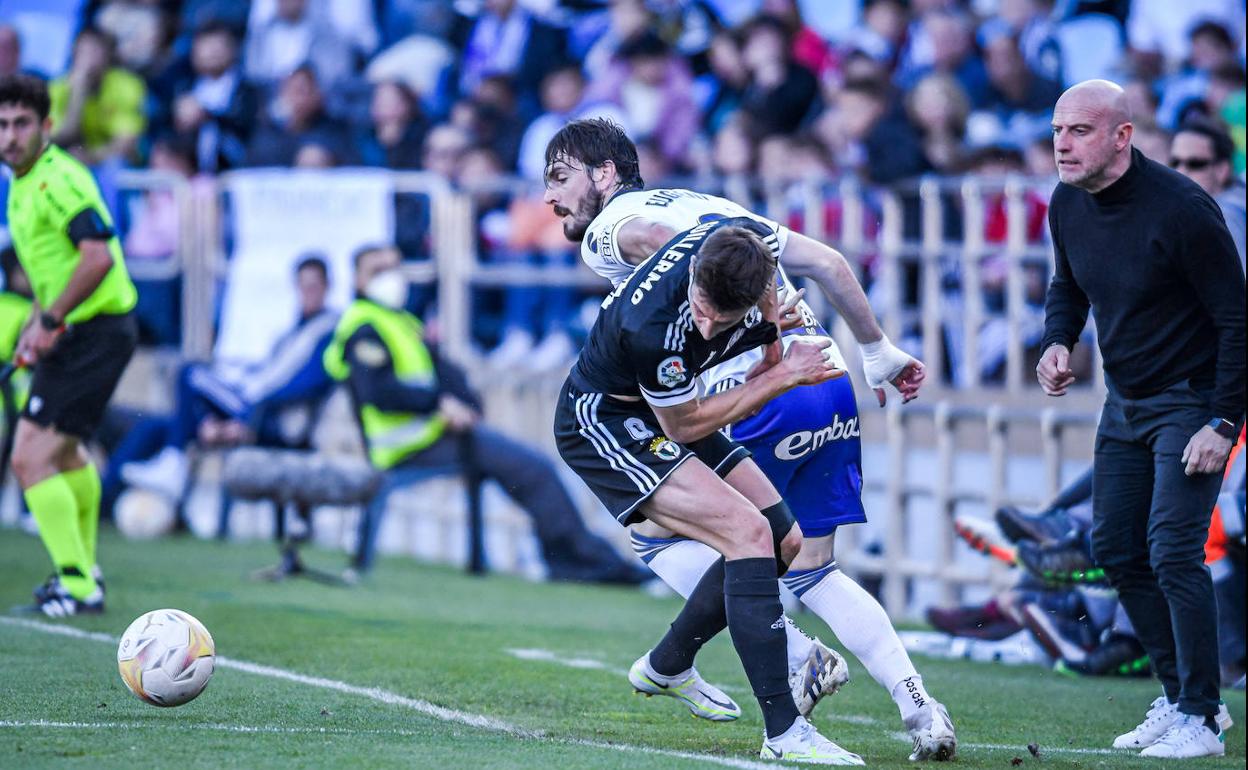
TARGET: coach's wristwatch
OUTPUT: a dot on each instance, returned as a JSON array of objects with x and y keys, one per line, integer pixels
[
  {"x": 1223, "y": 427},
  {"x": 50, "y": 322}
]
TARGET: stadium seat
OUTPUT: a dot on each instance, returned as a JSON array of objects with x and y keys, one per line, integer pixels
[{"x": 1091, "y": 47}]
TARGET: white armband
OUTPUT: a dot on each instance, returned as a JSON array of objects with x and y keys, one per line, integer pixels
[{"x": 882, "y": 361}]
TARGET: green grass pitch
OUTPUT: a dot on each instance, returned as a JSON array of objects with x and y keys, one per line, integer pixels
[{"x": 418, "y": 667}]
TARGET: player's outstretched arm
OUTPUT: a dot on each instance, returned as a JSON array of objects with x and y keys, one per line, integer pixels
[
  {"x": 883, "y": 363},
  {"x": 805, "y": 363},
  {"x": 639, "y": 238}
]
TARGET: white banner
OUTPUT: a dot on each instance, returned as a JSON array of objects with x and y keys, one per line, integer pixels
[{"x": 279, "y": 215}]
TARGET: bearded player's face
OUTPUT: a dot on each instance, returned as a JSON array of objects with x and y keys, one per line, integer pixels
[
  {"x": 21, "y": 136},
  {"x": 573, "y": 195}
]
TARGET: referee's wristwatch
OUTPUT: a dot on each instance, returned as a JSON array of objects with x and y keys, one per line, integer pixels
[
  {"x": 50, "y": 322},
  {"x": 1223, "y": 427}
]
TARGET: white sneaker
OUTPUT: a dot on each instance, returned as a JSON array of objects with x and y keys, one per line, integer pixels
[
  {"x": 703, "y": 699},
  {"x": 553, "y": 352},
  {"x": 803, "y": 743},
  {"x": 165, "y": 473},
  {"x": 821, "y": 674},
  {"x": 932, "y": 732},
  {"x": 1187, "y": 738},
  {"x": 511, "y": 350},
  {"x": 1161, "y": 715}
]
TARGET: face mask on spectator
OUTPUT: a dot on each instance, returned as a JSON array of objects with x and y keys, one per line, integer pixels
[{"x": 388, "y": 289}]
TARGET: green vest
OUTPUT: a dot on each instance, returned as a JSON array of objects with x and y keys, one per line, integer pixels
[
  {"x": 390, "y": 436},
  {"x": 14, "y": 312}
]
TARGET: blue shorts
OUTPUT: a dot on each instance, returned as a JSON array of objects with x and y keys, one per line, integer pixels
[{"x": 808, "y": 443}]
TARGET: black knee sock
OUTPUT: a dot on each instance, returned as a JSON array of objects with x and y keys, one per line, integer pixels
[
  {"x": 755, "y": 620},
  {"x": 702, "y": 617}
]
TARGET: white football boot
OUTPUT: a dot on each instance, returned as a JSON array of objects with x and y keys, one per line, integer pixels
[
  {"x": 1161, "y": 714},
  {"x": 803, "y": 743},
  {"x": 703, "y": 699},
  {"x": 820, "y": 675},
  {"x": 1187, "y": 738},
  {"x": 932, "y": 732}
]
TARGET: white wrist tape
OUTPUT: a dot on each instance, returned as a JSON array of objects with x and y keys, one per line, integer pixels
[{"x": 882, "y": 361}]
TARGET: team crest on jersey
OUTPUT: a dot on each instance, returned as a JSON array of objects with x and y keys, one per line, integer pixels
[
  {"x": 664, "y": 448},
  {"x": 593, "y": 244},
  {"x": 753, "y": 318},
  {"x": 637, "y": 429},
  {"x": 672, "y": 372}
]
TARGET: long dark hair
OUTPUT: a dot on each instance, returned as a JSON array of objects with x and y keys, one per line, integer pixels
[{"x": 594, "y": 141}]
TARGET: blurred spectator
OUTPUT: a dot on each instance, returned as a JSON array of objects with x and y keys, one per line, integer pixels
[
  {"x": 141, "y": 30},
  {"x": 1030, "y": 22},
  {"x": 493, "y": 115},
  {"x": 882, "y": 31},
  {"x": 942, "y": 40},
  {"x": 725, "y": 82},
  {"x": 231, "y": 13},
  {"x": 1153, "y": 142},
  {"x": 655, "y": 90},
  {"x": 866, "y": 136},
  {"x": 351, "y": 20},
  {"x": 806, "y": 47},
  {"x": 209, "y": 102},
  {"x": 1158, "y": 30},
  {"x": 272, "y": 404},
  {"x": 1226, "y": 89},
  {"x": 396, "y": 130},
  {"x": 1142, "y": 101},
  {"x": 97, "y": 108},
  {"x": 313, "y": 154},
  {"x": 1020, "y": 102},
  {"x": 780, "y": 92},
  {"x": 1201, "y": 150},
  {"x": 938, "y": 108},
  {"x": 10, "y": 50},
  {"x": 445, "y": 145},
  {"x": 1038, "y": 157},
  {"x": 296, "y": 118},
  {"x": 626, "y": 19},
  {"x": 1212, "y": 48},
  {"x": 428, "y": 18},
  {"x": 293, "y": 38},
  {"x": 506, "y": 40},
  {"x": 563, "y": 92}
]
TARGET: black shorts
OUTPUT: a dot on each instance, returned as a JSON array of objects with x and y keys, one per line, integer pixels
[
  {"x": 619, "y": 450},
  {"x": 72, "y": 384}
]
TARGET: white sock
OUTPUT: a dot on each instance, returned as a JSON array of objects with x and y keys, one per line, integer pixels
[
  {"x": 681, "y": 565},
  {"x": 863, "y": 627}
]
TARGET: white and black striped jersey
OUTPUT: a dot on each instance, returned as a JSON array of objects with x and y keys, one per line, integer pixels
[
  {"x": 644, "y": 342},
  {"x": 678, "y": 209}
]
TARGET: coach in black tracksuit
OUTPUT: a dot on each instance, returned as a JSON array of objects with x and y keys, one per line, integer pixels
[{"x": 1148, "y": 251}]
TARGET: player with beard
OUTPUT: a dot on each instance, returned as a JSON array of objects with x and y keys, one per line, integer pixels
[{"x": 806, "y": 441}]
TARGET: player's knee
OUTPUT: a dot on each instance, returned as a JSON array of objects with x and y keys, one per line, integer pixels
[
  {"x": 790, "y": 546},
  {"x": 753, "y": 533}
]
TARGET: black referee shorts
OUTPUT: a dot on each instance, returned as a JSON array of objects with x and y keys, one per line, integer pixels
[
  {"x": 619, "y": 450},
  {"x": 74, "y": 382}
]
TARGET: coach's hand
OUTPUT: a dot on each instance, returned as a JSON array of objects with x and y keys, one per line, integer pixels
[
  {"x": 808, "y": 362},
  {"x": 1206, "y": 452},
  {"x": 1054, "y": 372}
]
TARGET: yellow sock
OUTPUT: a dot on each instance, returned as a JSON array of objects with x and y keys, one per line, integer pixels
[
  {"x": 55, "y": 509},
  {"x": 84, "y": 482}
]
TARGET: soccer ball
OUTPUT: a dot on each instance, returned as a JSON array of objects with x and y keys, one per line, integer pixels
[
  {"x": 143, "y": 515},
  {"x": 166, "y": 657}
]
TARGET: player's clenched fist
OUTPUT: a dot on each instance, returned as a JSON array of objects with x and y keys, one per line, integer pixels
[
  {"x": 809, "y": 363},
  {"x": 1054, "y": 372}
]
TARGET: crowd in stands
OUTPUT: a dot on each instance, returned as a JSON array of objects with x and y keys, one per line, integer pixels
[{"x": 736, "y": 95}]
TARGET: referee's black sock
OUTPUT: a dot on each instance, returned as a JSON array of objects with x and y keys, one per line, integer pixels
[
  {"x": 702, "y": 617},
  {"x": 756, "y": 622}
]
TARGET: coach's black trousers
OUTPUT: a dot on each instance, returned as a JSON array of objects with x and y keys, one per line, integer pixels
[{"x": 1150, "y": 523}]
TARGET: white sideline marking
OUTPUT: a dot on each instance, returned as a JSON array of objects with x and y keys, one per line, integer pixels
[
  {"x": 169, "y": 725},
  {"x": 547, "y": 656},
  {"x": 421, "y": 706}
]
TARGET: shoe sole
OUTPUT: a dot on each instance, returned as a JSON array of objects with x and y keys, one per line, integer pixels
[{"x": 837, "y": 675}]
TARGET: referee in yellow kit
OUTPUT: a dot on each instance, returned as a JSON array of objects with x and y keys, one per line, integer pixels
[{"x": 79, "y": 338}]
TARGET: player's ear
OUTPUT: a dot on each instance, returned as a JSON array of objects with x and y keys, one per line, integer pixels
[{"x": 604, "y": 172}]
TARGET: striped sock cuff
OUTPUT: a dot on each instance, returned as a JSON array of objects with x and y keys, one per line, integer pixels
[
  {"x": 801, "y": 581},
  {"x": 647, "y": 548}
]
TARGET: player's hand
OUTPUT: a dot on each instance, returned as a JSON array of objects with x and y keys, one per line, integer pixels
[
  {"x": 458, "y": 415},
  {"x": 772, "y": 355},
  {"x": 907, "y": 382},
  {"x": 808, "y": 363},
  {"x": 1206, "y": 452},
  {"x": 789, "y": 317},
  {"x": 1054, "y": 372}
]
